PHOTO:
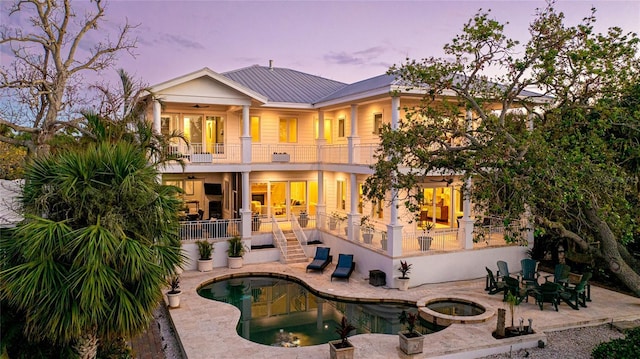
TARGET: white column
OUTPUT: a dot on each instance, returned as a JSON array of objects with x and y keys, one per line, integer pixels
[
  {"x": 395, "y": 112},
  {"x": 353, "y": 140},
  {"x": 353, "y": 217},
  {"x": 394, "y": 229},
  {"x": 321, "y": 207},
  {"x": 245, "y": 139},
  {"x": 157, "y": 110},
  {"x": 245, "y": 211}
]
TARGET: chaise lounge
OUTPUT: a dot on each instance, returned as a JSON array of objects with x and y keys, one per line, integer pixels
[
  {"x": 345, "y": 267},
  {"x": 321, "y": 259}
]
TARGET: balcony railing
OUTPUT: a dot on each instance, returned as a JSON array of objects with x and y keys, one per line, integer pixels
[
  {"x": 213, "y": 153},
  {"x": 283, "y": 152}
]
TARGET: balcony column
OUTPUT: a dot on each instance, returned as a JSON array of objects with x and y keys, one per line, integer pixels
[
  {"x": 245, "y": 139},
  {"x": 157, "y": 110},
  {"x": 245, "y": 211},
  {"x": 466, "y": 223},
  {"x": 353, "y": 140},
  {"x": 320, "y": 141},
  {"x": 395, "y": 112},
  {"x": 321, "y": 207},
  {"x": 394, "y": 229},
  {"x": 353, "y": 217}
]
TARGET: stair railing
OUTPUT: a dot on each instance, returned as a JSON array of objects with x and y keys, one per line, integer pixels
[
  {"x": 279, "y": 239},
  {"x": 299, "y": 233}
]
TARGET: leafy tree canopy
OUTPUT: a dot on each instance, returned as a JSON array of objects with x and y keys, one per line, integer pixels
[{"x": 565, "y": 155}]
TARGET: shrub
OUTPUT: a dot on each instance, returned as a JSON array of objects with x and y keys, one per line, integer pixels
[{"x": 623, "y": 348}]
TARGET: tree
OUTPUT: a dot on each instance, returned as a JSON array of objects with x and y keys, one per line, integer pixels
[
  {"x": 101, "y": 237},
  {"x": 44, "y": 81},
  {"x": 566, "y": 155}
]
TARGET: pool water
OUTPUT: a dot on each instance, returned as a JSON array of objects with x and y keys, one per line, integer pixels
[{"x": 282, "y": 312}]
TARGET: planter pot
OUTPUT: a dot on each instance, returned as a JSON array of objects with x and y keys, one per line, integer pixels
[
  {"x": 234, "y": 262},
  {"x": 205, "y": 265},
  {"x": 333, "y": 223},
  {"x": 367, "y": 238},
  {"x": 174, "y": 299},
  {"x": 402, "y": 283},
  {"x": 425, "y": 243},
  {"x": 411, "y": 343},
  {"x": 304, "y": 221},
  {"x": 338, "y": 352},
  {"x": 383, "y": 244}
]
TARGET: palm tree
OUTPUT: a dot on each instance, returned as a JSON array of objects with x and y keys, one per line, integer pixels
[{"x": 99, "y": 240}]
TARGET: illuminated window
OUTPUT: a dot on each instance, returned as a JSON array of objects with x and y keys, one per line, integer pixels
[
  {"x": 377, "y": 123},
  {"x": 255, "y": 129},
  {"x": 288, "y": 130},
  {"x": 341, "y": 127}
]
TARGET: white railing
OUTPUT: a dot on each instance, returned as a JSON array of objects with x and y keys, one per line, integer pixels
[
  {"x": 365, "y": 153},
  {"x": 445, "y": 239},
  {"x": 213, "y": 153},
  {"x": 279, "y": 238},
  {"x": 492, "y": 232},
  {"x": 299, "y": 233},
  {"x": 283, "y": 152},
  {"x": 221, "y": 228},
  {"x": 335, "y": 154}
]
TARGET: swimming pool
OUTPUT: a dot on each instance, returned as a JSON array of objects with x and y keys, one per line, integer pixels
[{"x": 282, "y": 311}]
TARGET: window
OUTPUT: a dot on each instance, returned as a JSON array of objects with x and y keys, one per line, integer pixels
[
  {"x": 193, "y": 132},
  {"x": 168, "y": 123},
  {"x": 255, "y": 129},
  {"x": 327, "y": 130},
  {"x": 341, "y": 127},
  {"x": 341, "y": 191},
  {"x": 288, "y": 130},
  {"x": 377, "y": 123}
]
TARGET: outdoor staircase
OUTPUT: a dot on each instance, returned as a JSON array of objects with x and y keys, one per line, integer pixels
[{"x": 295, "y": 253}]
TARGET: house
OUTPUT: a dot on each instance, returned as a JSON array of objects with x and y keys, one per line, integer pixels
[{"x": 273, "y": 148}]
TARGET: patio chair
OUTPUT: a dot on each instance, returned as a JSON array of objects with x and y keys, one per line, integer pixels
[
  {"x": 321, "y": 259},
  {"x": 576, "y": 296},
  {"x": 560, "y": 274},
  {"x": 492, "y": 285},
  {"x": 529, "y": 272},
  {"x": 547, "y": 292},
  {"x": 503, "y": 271},
  {"x": 512, "y": 285},
  {"x": 345, "y": 267}
]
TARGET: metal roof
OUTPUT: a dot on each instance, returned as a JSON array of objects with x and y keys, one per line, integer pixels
[
  {"x": 9, "y": 192},
  {"x": 284, "y": 85},
  {"x": 373, "y": 83}
]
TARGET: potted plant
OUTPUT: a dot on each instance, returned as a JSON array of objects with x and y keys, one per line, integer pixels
[
  {"x": 205, "y": 262},
  {"x": 383, "y": 241},
  {"x": 303, "y": 219},
  {"x": 403, "y": 281},
  {"x": 342, "y": 349},
  {"x": 425, "y": 239},
  {"x": 173, "y": 295},
  {"x": 235, "y": 252},
  {"x": 411, "y": 341},
  {"x": 334, "y": 219},
  {"x": 367, "y": 229}
]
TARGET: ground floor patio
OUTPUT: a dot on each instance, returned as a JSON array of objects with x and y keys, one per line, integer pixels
[{"x": 206, "y": 328}]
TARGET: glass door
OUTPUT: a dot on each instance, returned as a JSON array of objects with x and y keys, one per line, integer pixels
[{"x": 215, "y": 134}]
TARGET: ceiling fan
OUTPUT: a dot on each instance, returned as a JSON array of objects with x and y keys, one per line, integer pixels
[{"x": 199, "y": 106}]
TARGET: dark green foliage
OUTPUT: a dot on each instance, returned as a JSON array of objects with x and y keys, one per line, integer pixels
[
  {"x": 627, "y": 348},
  {"x": 343, "y": 330}
]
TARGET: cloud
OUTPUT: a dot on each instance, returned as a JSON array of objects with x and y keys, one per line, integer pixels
[{"x": 367, "y": 56}]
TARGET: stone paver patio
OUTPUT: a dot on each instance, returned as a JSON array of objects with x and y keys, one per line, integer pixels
[{"x": 206, "y": 328}]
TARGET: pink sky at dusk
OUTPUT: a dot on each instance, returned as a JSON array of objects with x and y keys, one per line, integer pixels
[{"x": 346, "y": 41}]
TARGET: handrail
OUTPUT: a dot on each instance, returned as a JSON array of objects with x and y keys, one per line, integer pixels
[
  {"x": 299, "y": 233},
  {"x": 278, "y": 237}
]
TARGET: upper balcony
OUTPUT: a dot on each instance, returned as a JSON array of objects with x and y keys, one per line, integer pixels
[{"x": 363, "y": 154}]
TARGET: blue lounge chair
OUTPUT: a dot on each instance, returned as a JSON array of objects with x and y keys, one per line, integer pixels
[
  {"x": 345, "y": 267},
  {"x": 321, "y": 259}
]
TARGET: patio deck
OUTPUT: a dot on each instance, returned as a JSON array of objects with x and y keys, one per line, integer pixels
[{"x": 206, "y": 328}]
